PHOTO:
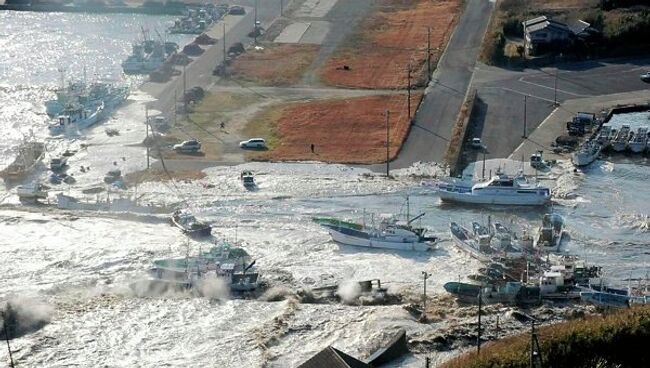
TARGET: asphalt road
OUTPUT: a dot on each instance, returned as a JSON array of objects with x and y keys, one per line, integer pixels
[
  {"x": 499, "y": 119},
  {"x": 434, "y": 120}
]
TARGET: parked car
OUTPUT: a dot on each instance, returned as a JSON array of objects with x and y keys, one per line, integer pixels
[
  {"x": 476, "y": 143},
  {"x": 188, "y": 146},
  {"x": 237, "y": 10},
  {"x": 253, "y": 143},
  {"x": 58, "y": 163}
]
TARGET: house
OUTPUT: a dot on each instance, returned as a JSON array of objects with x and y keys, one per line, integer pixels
[
  {"x": 333, "y": 358},
  {"x": 542, "y": 34}
]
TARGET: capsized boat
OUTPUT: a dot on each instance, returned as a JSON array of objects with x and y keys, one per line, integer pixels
[
  {"x": 502, "y": 189},
  {"x": 185, "y": 221},
  {"x": 587, "y": 153},
  {"x": 224, "y": 262},
  {"x": 550, "y": 233}
]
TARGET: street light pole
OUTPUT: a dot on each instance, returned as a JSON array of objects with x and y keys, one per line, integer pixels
[
  {"x": 525, "y": 116},
  {"x": 428, "y": 53},
  {"x": 408, "y": 91},
  {"x": 555, "y": 90},
  {"x": 387, "y": 143},
  {"x": 425, "y": 276}
]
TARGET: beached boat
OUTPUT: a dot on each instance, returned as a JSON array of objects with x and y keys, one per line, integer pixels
[
  {"x": 640, "y": 141},
  {"x": 550, "y": 233},
  {"x": 500, "y": 190},
  {"x": 248, "y": 180},
  {"x": 587, "y": 153},
  {"x": 189, "y": 224},
  {"x": 619, "y": 144},
  {"x": 30, "y": 153},
  {"x": 224, "y": 262},
  {"x": 75, "y": 118}
]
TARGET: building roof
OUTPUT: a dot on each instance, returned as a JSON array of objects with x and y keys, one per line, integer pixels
[
  {"x": 578, "y": 26},
  {"x": 543, "y": 22},
  {"x": 333, "y": 358}
]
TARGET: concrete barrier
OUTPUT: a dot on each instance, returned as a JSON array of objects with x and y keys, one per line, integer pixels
[{"x": 459, "y": 133}]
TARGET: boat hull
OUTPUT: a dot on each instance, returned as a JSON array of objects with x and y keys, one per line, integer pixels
[
  {"x": 340, "y": 237},
  {"x": 470, "y": 198},
  {"x": 467, "y": 248}
]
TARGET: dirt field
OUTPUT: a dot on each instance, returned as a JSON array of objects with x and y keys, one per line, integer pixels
[
  {"x": 342, "y": 130},
  {"x": 276, "y": 65},
  {"x": 390, "y": 39}
]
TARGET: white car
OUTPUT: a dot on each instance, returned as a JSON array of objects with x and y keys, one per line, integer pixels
[
  {"x": 253, "y": 143},
  {"x": 476, "y": 143},
  {"x": 645, "y": 77},
  {"x": 188, "y": 146}
]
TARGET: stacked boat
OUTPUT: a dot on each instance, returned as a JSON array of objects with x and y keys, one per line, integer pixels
[
  {"x": 485, "y": 243},
  {"x": 222, "y": 262},
  {"x": 550, "y": 233},
  {"x": 501, "y": 189},
  {"x": 622, "y": 139}
]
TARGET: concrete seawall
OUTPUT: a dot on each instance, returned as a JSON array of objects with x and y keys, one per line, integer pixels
[{"x": 157, "y": 10}]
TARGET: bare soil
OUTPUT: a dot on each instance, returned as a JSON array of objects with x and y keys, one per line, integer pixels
[
  {"x": 393, "y": 37},
  {"x": 342, "y": 130},
  {"x": 275, "y": 65}
]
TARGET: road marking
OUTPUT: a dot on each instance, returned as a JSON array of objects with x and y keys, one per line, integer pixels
[
  {"x": 552, "y": 88},
  {"x": 526, "y": 139},
  {"x": 519, "y": 93}
]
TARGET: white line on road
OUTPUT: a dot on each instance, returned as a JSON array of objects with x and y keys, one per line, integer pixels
[
  {"x": 553, "y": 89},
  {"x": 519, "y": 93}
]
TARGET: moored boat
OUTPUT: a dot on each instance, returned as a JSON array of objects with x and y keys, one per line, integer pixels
[
  {"x": 500, "y": 190},
  {"x": 640, "y": 140},
  {"x": 75, "y": 118},
  {"x": 619, "y": 144}
]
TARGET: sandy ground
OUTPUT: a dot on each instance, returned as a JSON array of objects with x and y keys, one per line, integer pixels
[
  {"x": 275, "y": 65},
  {"x": 342, "y": 130},
  {"x": 390, "y": 40}
]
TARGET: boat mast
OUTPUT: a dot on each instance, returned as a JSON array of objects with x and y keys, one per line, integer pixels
[{"x": 408, "y": 208}]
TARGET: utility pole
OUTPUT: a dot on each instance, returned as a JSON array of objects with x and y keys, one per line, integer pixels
[
  {"x": 5, "y": 316},
  {"x": 147, "y": 141},
  {"x": 483, "y": 174},
  {"x": 555, "y": 90},
  {"x": 428, "y": 53},
  {"x": 184, "y": 91},
  {"x": 525, "y": 115},
  {"x": 497, "y": 328},
  {"x": 408, "y": 91},
  {"x": 427, "y": 362},
  {"x": 478, "y": 335},
  {"x": 223, "y": 71},
  {"x": 535, "y": 359},
  {"x": 175, "y": 105},
  {"x": 425, "y": 276},
  {"x": 281, "y": 8},
  {"x": 387, "y": 143},
  {"x": 255, "y": 26}
]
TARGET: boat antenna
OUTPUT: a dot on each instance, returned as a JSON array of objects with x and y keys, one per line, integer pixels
[{"x": 408, "y": 208}]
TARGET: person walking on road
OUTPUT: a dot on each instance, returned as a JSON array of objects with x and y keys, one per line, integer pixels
[{"x": 313, "y": 148}]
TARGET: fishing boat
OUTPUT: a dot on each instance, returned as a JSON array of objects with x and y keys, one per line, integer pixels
[
  {"x": 550, "y": 233},
  {"x": 145, "y": 58},
  {"x": 88, "y": 96},
  {"x": 224, "y": 262},
  {"x": 619, "y": 144},
  {"x": 587, "y": 153},
  {"x": 185, "y": 221},
  {"x": 30, "y": 153},
  {"x": 503, "y": 238},
  {"x": 390, "y": 233},
  {"x": 464, "y": 240},
  {"x": 108, "y": 203},
  {"x": 334, "y": 222},
  {"x": 248, "y": 180},
  {"x": 640, "y": 141},
  {"x": 604, "y": 135},
  {"x": 75, "y": 118},
  {"x": 502, "y": 189},
  {"x": 509, "y": 293}
]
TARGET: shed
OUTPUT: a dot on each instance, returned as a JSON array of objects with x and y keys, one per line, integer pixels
[{"x": 331, "y": 357}]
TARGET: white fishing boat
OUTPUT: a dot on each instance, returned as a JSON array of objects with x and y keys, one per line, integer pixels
[
  {"x": 619, "y": 144},
  {"x": 389, "y": 234},
  {"x": 186, "y": 221},
  {"x": 550, "y": 233},
  {"x": 587, "y": 153},
  {"x": 32, "y": 192},
  {"x": 604, "y": 135},
  {"x": 640, "y": 140},
  {"x": 144, "y": 60},
  {"x": 504, "y": 242},
  {"x": 76, "y": 118},
  {"x": 224, "y": 262},
  {"x": 500, "y": 190}
]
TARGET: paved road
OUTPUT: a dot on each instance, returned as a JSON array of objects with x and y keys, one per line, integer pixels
[
  {"x": 500, "y": 115},
  {"x": 437, "y": 114}
]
